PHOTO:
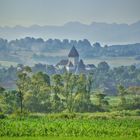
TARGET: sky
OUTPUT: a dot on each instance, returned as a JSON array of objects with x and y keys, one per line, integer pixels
[{"x": 59, "y": 12}]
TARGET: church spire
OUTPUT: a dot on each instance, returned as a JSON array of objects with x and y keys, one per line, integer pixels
[{"x": 73, "y": 52}]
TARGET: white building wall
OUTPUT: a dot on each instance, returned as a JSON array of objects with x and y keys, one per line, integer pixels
[{"x": 74, "y": 60}]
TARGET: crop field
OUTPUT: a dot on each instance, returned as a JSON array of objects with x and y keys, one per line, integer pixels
[
  {"x": 69, "y": 138},
  {"x": 67, "y": 128}
]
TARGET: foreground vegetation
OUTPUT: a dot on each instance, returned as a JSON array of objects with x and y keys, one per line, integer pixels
[
  {"x": 71, "y": 125},
  {"x": 69, "y": 138},
  {"x": 66, "y": 105}
]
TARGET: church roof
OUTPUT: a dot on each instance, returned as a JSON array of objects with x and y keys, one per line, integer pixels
[
  {"x": 62, "y": 62},
  {"x": 81, "y": 64},
  {"x": 73, "y": 52},
  {"x": 81, "y": 67}
]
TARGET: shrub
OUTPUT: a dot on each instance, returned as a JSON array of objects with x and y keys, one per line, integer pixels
[{"x": 2, "y": 115}]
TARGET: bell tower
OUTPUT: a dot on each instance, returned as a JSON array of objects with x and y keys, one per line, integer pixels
[{"x": 74, "y": 56}]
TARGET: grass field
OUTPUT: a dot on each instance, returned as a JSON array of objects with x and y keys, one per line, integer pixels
[
  {"x": 69, "y": 138},
  {"x": 65, "y": 126}
]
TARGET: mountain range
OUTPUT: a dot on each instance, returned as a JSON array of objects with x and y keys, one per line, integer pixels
[{"x": 95, "y": 32}]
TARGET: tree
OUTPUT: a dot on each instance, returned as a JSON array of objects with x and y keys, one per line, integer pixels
[
  {"x": 103, "y": 67},
  {"x": 57, "y": 87},
  {"x": 72, "y": 90},
  {"x": 10, "y": 98},
  {"x": 82, "y": 96},
  {"x": 2, "y": 101},
  {"x": 37, "y": 99},
  {"x": 102, "y": 102},
  {"x": 89, "y": 83},
  {"x": 69, "y": 91},
  {"x": 23, "y": 84},
  {"x": 134, "y": 93},
  {"x": 122, "y": 93},
  {"x": 97, "y": 45}
]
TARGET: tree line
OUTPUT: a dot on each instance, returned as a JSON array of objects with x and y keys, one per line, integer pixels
[
  {"x": 39, "y": 92},
  {"x": 105, "y": 77},
  {"x": 83, "y": 46}
]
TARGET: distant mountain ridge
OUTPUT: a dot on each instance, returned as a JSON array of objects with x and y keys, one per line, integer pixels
[{"x": 95, "y": 32}]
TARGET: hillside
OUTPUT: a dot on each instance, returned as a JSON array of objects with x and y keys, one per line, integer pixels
[{"x": 106, "y": 33}]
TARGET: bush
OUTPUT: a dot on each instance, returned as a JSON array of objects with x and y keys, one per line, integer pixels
[
  {"x": 2, "y": 115},
  {"x": 18, "y": 115},
  {"x": 62, "y": 116}
]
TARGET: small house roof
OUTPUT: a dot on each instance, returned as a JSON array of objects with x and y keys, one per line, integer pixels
[
  {"x": 91, "y": 66},
  {"x": 62, "y": 62}
]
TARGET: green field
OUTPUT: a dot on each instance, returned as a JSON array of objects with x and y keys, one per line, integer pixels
[
  {"x": 66, "y": 126},
  {"x": 69, "y": 138},
  {"x": 113, "y": 61}
]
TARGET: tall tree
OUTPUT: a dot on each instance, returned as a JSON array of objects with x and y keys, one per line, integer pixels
[
  {"x": 23, "y": 84},
  {"x": 2, "y": 101},
  {"x": 122, "y": 93},
  {"x": 57, "y": 89},
  {"x": 38, "y": 97},
  {"x": 102, "y": 102}
]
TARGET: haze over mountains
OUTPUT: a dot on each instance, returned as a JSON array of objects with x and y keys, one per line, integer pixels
[{"x": 95, "y": 32}]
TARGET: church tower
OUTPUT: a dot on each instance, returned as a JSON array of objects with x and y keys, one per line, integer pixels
[{"x": 73, "y": 56}]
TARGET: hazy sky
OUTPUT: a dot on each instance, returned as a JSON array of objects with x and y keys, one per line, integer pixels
[{"x": 58, "y": 12}]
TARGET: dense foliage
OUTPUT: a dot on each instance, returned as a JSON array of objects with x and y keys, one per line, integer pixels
[
  {"x": 39, "y": 92},
  {"x": 105, "y": 78}
]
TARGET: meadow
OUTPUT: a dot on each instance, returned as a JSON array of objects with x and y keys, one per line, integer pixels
[
  {"x": 71, "y": 126},
  {"x": 113, "y": 61},
  {"x": 69, "y": 138}
]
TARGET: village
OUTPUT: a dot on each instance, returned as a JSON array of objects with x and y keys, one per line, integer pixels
[{"x": 73, "y": 64}]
